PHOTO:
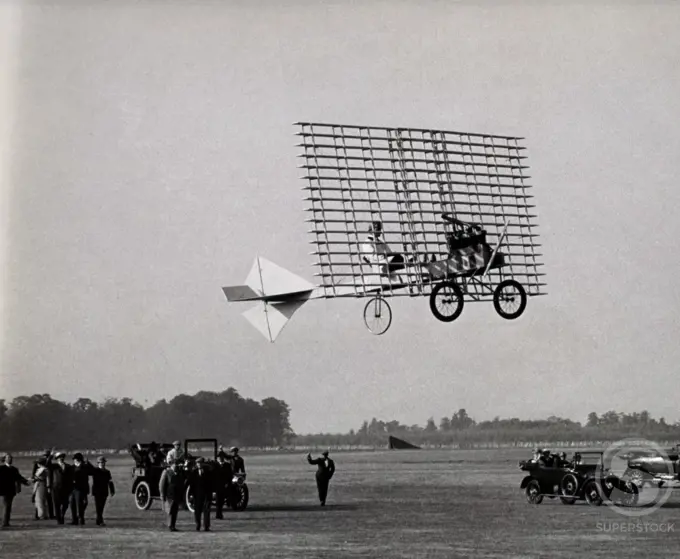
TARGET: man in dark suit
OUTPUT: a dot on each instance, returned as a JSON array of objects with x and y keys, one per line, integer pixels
[
  {"x": 324, "y": 473},
  {"x": 222, "y": 475},
  {"x": 102, "y": 487},
  {"x": 171, "y": 490},
  {"x": 62, "y": 485},
  {"x": 238, "y": 466},
  {"x": 10, "y": 484},
  {"x": 201, "y": 484},
  {"x": 82, "y": 470}
]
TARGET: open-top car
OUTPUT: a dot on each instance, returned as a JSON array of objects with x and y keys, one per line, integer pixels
[
  {"x": 146, "y": 475},
  {"x": 582, "y": 478}
]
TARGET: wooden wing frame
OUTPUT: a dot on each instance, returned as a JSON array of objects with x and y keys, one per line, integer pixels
[{"x": 406, "y": 178}]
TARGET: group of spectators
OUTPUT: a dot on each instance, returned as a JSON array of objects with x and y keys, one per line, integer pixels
[
  {"x": 203, "y": 481},
  {"x": 543, "y": 457},
  {"x": 58, "y": 486}
]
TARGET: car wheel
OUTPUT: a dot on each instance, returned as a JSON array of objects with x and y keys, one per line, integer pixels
[
  {"x": 189, "y": 500},
  {"x": 637, "y": 478},
  {"x": 533, "y": 492},
  {"x": 630, "y": 495},
  {"x": 569, "y": 487},
  {"x": 241, "y": 496},
  {"x": 143, "y": 497},
  {"x": 591, "y": 492}
]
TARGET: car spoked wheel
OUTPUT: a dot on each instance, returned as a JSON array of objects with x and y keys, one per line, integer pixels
[
  {"x": 636, "y": 478},
  {"x": 591, "y": 493},
  {"x": 569, "y": 489},
  {"x": 533, "y": 493},
  {"x": 630, "y": 495},
  {"x": 143, "y": 498},
  {"x": 241, "y": 496},
  {"x": 189, "y": 500}
]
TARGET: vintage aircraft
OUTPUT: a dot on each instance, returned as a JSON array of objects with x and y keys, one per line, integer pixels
[{"x": 450, "y": 200}]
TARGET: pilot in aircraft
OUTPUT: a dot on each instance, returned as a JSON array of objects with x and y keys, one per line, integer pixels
[{"x": 376, "y": 251}]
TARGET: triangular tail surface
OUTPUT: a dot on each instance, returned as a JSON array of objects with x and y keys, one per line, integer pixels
[{"x": 280, "y": 292}]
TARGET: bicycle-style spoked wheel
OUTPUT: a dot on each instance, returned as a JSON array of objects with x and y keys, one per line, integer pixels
[
  {"x": 509, "y": 299},
  {"x": 377, "y": 316},
  {"x": 446, "y": 301}
]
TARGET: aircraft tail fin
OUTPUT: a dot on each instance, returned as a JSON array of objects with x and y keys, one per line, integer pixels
[{"x": 280, "y": 292}]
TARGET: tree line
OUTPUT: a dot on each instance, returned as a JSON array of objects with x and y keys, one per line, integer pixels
[
  {"x": 39, "y": 421},
  {"x": 461, "y": 430}
]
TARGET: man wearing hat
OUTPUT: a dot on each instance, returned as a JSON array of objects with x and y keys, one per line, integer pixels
[
  {"x": 324, "y": 473},
  {"x": 62, "y": 485},
  {"x": 82, "y": 470},
  {"x": 176, "y": 453},
  {"x": 223, "y": 475},
  {"x": 238, "y": 466},
  {"x": 201, "y": 487},
  {"x": 10, "y": 484},
  {"x": 102, "y": 487},
  {"x": 171, "y": 490}
]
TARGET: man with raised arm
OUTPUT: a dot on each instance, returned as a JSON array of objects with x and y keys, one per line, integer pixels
[{"x": 324, "y": 473}]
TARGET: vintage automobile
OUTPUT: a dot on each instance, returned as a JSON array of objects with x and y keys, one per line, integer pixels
[
  {"x": 582, "y": 478},
  {"x": 236, "y": 493},
  {"x": 654, "y": 469},
  {"x": 150, "y": 463}
]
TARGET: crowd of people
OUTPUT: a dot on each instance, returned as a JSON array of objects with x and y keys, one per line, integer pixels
[
  {"x": 203, "y": 481},
  {"x": 58, "y": 486}
]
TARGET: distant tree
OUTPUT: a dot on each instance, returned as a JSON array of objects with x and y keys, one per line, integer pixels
[
  {"x": 430, "y": 426},
  {"x": 610, "y": 418},
  {"x": 593, "y": 420}
]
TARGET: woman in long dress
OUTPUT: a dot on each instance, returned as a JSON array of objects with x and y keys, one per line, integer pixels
[{"x": 40, "y": 480}]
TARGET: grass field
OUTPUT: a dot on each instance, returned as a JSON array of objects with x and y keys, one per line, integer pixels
[{"x": 431, "y": 503}]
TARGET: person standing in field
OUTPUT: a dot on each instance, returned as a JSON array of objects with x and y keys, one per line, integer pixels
[
  {"x": 324, "y": 473},
  {"x": 238, "y": 466},
  {"x": 41, "y": 485},
  {"x": 80, "y": 489},
  {"x": 201, "y": 484},
  {"x": 102, "y": 487},
  {"x": 47, "y": 457},
  {"x": 223, "y": 475},
  {"x": 10, "y": 484},
  {"x": 62, "y": 485},
  {"x": 171, "y": 490}
]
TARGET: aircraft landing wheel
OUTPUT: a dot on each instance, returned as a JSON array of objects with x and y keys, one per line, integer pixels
[
  {"x": 377, "y": 316},
  {"x": 446, "y": 301},
  {"x": 509, "y": 299}
]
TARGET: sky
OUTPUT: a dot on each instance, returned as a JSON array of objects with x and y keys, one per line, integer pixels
[{"x": 148, "y": 155}]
